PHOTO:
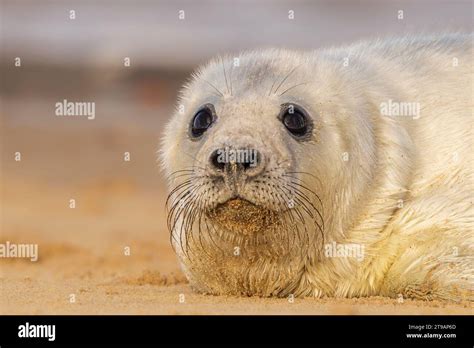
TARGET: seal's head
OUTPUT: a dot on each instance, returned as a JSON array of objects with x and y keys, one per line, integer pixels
[{"x": 254, "y": 156}]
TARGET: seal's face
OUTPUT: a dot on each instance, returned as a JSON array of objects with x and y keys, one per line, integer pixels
[{"x": 247, "y": 176}]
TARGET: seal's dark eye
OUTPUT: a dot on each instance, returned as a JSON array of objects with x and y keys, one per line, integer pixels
[
  {"x": 201, "y": 122},
  {"x": 295, "y": 121}
]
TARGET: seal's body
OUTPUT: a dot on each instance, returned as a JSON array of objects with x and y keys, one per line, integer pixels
[{"x": 350, "y": 173}]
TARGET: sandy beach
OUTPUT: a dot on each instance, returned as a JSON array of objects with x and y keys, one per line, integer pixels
[{"x": 111, "y": 254}]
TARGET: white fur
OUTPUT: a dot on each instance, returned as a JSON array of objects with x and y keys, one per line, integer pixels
[{"x": 405, "y": 192}]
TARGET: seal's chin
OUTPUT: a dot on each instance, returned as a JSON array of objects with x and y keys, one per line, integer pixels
[{"x": 243, "y": 217}]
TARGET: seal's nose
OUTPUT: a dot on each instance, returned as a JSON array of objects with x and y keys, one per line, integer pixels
[{"x": 227, "y": 161}]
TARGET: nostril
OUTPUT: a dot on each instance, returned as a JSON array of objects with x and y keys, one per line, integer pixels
[
  {"x": 252, "y": 159},
  {"x": 216, "y": 160}
]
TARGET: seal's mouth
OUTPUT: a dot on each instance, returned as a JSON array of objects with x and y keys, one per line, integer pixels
[{"x": 240, "y": 216}]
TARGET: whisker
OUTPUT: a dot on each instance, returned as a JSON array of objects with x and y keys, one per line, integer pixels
[
  {"x": 176, "y": 189},
  {"x": 230, "y": 77},
  {"x": 306, "y": 208},
  {"x": 194, "y": 158},
  {"x": 304, "y": 173},
  {"x": 215, "y": 88},
  {"x": 319, "y": 213},
  {"x": 190, "y": 169},
  {"x": 286, "y": 77},
  {"x": 225, "y": 75},
  {"x": 288, "y": 89},
  {"x": 273, "y": 85},
  {"x": 290, "y": 212}
]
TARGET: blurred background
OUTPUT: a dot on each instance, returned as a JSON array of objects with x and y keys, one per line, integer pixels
[{"x": 121, "y": 203}]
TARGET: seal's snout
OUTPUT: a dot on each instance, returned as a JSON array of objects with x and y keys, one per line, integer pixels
[{"x": 231, "y": 162}]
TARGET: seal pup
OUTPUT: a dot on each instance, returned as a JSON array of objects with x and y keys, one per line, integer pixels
[{"x": 341, "y": 172}]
